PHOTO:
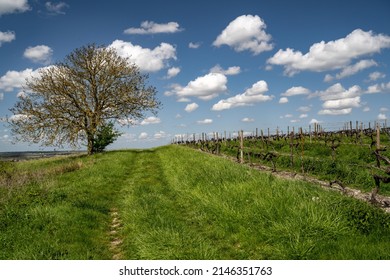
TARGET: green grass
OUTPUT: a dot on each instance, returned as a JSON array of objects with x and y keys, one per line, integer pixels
[
  {"x": 177, "y": 203},
  {"x": 352, "y": 163}
]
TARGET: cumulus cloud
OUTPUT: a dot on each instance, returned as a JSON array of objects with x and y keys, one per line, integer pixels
[
  {"x": 246, "y": 32},
  {"x": 205, "y": 121},
  {"x": 251, "y": 96},
  {"x": 16, "y": 79},
  {"x": 147, "y": 121},
  {"x": 205, "y": 87},
  {"x": 6, "y": 37},
  {"x": 13, "y": 6},
  {"x": 376, "y": 75},
  {"x": 352, "y": 69},
  {"x": 56, "y": 8},
  {"x": 382, "y": 87},
  {"x": 39, "y": 54},
  {"x": 248, "y": 120},
  {"x": 149, "y": 60},
  {"x": 172, "y": 72},
  {"x": 150, "y": 120},
  {"x": 283, "y": 100},
  {"x": 143, "y": 136},
  {"x": 296, "y": 91},
  {"x": 381, "y": 117},
  {"x": 192, "y": 45},
  {"x": 160, "y": 135},
  {"x": 340, "y": 101},
  {"x": 338, "y": 54},
  {"x": 150, "y": 27},
  {"x": 233, "y": 70},
  {"x": 191, "y": 107},
  {"x": 304, "y": 109},
  {"x": 313, "y": 121}
]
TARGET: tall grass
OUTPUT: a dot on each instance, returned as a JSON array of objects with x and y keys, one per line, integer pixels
[{"x": 177, "y": 203}]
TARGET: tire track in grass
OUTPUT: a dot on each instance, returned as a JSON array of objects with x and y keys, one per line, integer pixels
[{"x": 115, "y": 239}]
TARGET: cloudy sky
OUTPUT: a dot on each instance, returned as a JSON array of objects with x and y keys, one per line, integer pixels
[{"x": 217, "y": 65}]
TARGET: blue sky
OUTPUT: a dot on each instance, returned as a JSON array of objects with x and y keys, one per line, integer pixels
[{"x": 217, "y": 65}]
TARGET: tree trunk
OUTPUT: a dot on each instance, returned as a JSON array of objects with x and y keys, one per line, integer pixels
[{"x": 90, "y": 149}]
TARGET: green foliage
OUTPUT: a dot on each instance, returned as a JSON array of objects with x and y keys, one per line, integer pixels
[{"x": 105, "y": 135}]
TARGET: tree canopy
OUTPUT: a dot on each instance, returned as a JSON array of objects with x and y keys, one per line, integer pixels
[{"x": 74, "y": 100}]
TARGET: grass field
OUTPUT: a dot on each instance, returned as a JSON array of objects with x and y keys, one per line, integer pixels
[{"x": 177, "y": 203}]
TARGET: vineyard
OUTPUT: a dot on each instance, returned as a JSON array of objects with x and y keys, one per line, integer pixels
[{"x": 354, "y": 156}]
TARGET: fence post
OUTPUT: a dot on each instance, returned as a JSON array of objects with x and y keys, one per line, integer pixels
[
  {"x": 241, "y": 146},
  {"x": 291, "y": 148},
  {"x": 262, "y": 139},
  {"x": 378, "y": 137}
]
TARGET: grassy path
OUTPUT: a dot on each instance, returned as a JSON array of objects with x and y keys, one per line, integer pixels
[{"x": 177, "y": 203}]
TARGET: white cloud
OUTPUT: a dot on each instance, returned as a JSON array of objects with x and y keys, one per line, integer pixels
[
  {"x": 376, "y": 75},
  {"x": 192, "y": 45},
  {"x": 383, "y": 109},
  {"x": 252, "y": 95},
  {"x": 13, "y": 6},
  {"x": 335, "y": 112},
  {"x": 366, "y": 109},
  {"x": 324, "y": 56},
  {"x": 150, "y": 120},
  {"x": 304, "y": 109},
  {"x": 15, "y": 79},
  {"x": 337, "y": 91},
  {"x": 191, "y": 107},
  {"x": 383, "y": 87},
  {"x": 233, "y": 70},
  {"x": 246, "y": 32},
  {"x": 205, "y": 121},
  {"x": 296, "y": 91},
  {"x": 302, "y": 116},
  {"x": 206, "y": 87},
  {"x": 150, "y": 27},
  {"x": 56, "y": 8},
  {"x": 352, "y": 69},
  {"x": 133, "y": 122},
  {"x": 248, "y": 120},
  {"x": 313, "y": 121},
  {"x": 143, "y": 136},
  {"x": 39, "y": 54},
  {"x": 6, "y": 37},
  {"x": 381, "y": 117},
  {"x": 283, "y": 100},
  {"x": 342, "y": 103},
  {"x": 338, "y": 100},
  {"x": 160, "y": 135},
  {"x": 172, "y": 72},
  {"x": 150, "y": 60}
]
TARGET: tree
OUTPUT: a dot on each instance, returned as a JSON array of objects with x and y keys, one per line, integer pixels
[
  {"x": 105, "y": 135},
  {"x": 66, "y": 103}
]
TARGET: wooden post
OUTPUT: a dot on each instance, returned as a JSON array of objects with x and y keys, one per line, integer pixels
[
  {"x": 378, "y": 137},
  {"x": 217, "y": 151},
  {"x": 302, "y": 151},
  {"x": 291, "y": 148},
  {"x": 262, "y": 139},
  {"x": 241, "y": 146}
]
